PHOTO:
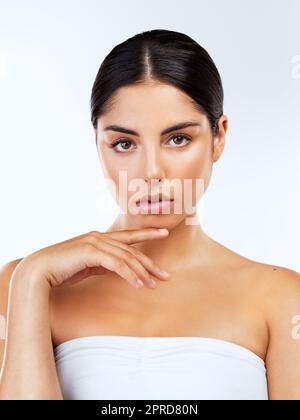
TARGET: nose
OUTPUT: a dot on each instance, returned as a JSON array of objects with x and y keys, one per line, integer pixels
[{"x": 154, "y": 171}]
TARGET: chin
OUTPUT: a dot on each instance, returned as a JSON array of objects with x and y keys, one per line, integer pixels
[{"x": 156, "y": 221}]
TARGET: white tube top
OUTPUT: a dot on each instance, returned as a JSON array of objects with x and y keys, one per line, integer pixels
[{"x": 149, "y": 368}]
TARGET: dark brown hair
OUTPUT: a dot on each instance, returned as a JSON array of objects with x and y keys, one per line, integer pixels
[{"x": 164, "y": 56}]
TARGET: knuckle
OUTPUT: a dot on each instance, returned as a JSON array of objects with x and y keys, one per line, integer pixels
[
  {"x": 88, "y": 247},
  {"x": 93, "y": 237},
  {"x": 130, "y": 234},
  {"x": 94, "y": 234}
]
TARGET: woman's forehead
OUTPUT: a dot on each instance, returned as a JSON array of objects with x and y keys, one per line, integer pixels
[{"x": 136, "y": 108}]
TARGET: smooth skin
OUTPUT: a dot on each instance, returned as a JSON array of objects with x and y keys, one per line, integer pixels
[
  {"x": 67, "y": 263},
  {"x": 84, "y": 286}
]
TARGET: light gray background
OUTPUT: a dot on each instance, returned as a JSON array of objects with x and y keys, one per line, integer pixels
[{"x": 51, "y": 182}]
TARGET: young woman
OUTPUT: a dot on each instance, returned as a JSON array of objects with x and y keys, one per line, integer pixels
[{"x": 217, "y": 325}]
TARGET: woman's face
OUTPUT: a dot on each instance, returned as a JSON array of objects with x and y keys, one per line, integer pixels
[{"x": 150, "y": 158}]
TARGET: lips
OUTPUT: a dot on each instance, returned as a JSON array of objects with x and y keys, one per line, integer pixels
[{"x": 154, "y": 198}]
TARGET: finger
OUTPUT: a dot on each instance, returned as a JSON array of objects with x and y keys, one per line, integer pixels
[
  {"x": 111, "y": 262},
  {"x": 130, "y": 260},
  {"x": 147, "y": 262},
  {"x": 137, "y": 235}
]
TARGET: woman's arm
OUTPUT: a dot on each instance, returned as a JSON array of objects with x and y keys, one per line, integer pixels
[
  {"x": 28, "y": 368},
  {"x": 283, "y": 315},
  {"x": 5, "y": 274},
  {"x": 6, "y": 271}
]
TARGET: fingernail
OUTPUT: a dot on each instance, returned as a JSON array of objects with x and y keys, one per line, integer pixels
[
  {"x": 139, "y": 283},
  {"x": 163, "y": 230},
  {"x": 165, "y": 273}
]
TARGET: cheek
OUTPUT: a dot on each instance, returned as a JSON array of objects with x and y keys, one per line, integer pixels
[
  {"x": 114, "y": 165},
  {"x": 196, "y": 168},
  {"x": 119, "y": 159},
  {"x": 120, "y": 171},
  {"x": 196, "y": 163}
]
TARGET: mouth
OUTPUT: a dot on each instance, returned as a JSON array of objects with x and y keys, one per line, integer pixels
[{"x": 154, "y": 204}]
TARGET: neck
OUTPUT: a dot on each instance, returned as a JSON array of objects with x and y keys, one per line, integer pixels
[{"x": 185, "y": 244}]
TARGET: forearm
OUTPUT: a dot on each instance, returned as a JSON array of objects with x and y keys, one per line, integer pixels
[{"x": 28, "y": 369}]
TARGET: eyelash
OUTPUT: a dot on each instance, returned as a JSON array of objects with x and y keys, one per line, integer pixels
[{"x": 113, "y": 145}]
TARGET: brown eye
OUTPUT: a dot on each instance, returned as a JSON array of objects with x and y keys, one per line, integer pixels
[
  {"x": 126, "y": 143},
  {"x": 180, "y": 137}
]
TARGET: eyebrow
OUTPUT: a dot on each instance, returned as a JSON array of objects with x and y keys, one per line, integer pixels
[{"x": 175, "y": 127}]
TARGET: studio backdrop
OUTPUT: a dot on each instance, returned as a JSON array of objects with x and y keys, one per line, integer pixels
[{"x": 51, "y": 183}]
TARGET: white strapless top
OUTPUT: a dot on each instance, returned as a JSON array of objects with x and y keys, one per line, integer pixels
[{"x": 152, "y": 368}]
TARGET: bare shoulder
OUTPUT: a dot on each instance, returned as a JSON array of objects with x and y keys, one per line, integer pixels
[
  {"x": 276, "y": 291},
  {"x": 274, "y": 287},
  {"x": 280, "y": 284},
  {"x": 272, "y": 277},
  {"x": 281, "y": 305},
  {"x": 281, "y": 287}
]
